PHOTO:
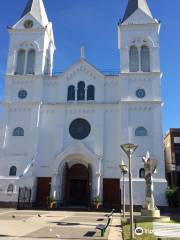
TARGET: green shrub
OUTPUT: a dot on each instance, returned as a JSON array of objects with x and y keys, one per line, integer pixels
[{"x": 173, "y": 197}]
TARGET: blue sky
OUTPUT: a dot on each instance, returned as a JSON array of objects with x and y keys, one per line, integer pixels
[{"x": 94, "y": 24}]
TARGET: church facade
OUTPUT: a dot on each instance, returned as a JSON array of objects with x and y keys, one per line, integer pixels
[{"x": 61, "y": 135}]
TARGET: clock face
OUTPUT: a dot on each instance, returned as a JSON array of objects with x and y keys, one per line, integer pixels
[
  {"x": 140, "y": 93},
  {"x": 28, "y": 24},
  {"x": 22, "y": 94},
  {"x": 79, "y": 129}
]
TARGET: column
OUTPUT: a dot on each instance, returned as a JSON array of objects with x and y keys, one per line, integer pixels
[{"x": 55, "y": 187}]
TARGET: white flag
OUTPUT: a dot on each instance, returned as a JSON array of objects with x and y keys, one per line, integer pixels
[{"x": 30, "y": 164}]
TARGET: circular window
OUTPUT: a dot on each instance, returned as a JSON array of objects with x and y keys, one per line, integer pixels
[
  {"x": 140, "y": 93},
  {"x": 79, "y": 129},
  {"x": 22, "y": 94},
  {"x": 28, "y": 24}
]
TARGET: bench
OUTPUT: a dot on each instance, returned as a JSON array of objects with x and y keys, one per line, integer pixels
[
  {"x": 111, "y": 213},
  {"x": 103, "y": 227}
]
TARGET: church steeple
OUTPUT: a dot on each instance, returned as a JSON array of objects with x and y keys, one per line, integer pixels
[
  {"x": 37, "y": 10},
  {"x": 31, "y": 42},
  {"x": 134, "y": 5}
]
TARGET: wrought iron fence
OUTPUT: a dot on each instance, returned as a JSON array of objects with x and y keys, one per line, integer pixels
[{"x": 24, "y": 198}]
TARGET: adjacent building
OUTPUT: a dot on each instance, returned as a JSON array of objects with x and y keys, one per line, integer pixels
[
  {"x": 172, "y": 156},
  {"x": 61, "y": 135}
]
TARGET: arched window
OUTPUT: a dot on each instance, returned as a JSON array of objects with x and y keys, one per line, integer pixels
[
  {"x": 20, "y": 62},
  {"x": 71, "y": 93},
  {"x": 141, "y": 173},
  {"x": 10, "y": 188},
  {"x": 19, "y": 132},
  {"x": 90, "y": 92},
  {"x": 145, "y": 59},
  {"x": 31, "y": 62},
  {"x": 81, "y": 91},
  {"x": 141, "y": 131},
  {"x": 133, "y": 59},
  {"x": 12, "y": 171}
]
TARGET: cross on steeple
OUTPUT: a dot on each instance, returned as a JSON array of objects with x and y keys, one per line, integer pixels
[{"x": 82, "y": 52}]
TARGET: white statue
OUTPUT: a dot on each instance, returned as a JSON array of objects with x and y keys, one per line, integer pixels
[{"x": 150, "y": 166}]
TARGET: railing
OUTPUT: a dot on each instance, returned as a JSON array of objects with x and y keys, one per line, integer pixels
[
  {"x": 106, "y": 72},
  {"x": 24, "y": 198}
]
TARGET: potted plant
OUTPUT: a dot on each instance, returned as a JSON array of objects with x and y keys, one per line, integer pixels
[
  {"x": 97, "y": 202},
  {"x": 51, "y": 202}
]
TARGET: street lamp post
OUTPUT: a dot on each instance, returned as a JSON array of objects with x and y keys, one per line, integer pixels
[
  {"x": 124, "y": 171},
  {"x": 129, "y": 149}
]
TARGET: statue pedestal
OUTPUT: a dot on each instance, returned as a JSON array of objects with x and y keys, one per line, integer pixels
[
  {"x": 151, "y": 216},
  {"x": 150, "y": 213}
]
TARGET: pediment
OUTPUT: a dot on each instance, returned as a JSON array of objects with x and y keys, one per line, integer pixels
[
  {"x": 20, "y": 24},
  {"x": 139, "y": 17},
  {"x": 77, "y": 148},
  {"x": 82, "y": 66}
]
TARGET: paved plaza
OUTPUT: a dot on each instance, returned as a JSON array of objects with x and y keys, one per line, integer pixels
[
  {"x": 65, "y": 225},
  {"x": 166, "y": 230}
]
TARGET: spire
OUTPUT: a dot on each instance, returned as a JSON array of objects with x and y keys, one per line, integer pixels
[
  {"x": 133, "y": 5},
  {"x": 37, "y": 10}
]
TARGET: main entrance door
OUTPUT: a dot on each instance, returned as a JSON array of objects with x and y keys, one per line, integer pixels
[
  {"x": 43, "y": 191},
  {"x": 77, "y": 185},
  {"x": 78, "y": 191}
]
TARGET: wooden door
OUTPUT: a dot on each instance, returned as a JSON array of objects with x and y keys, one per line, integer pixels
[
  {"x": 43, "y": 191},
  {"x": 111, "y": 193},
  {"x": 78, "y": 191},
  {"x": 89, "y": 184},
  {"x": 77, "y": 185}
]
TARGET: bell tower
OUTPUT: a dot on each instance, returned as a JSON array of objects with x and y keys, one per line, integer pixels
[
  {"x": 139, "y": 39},
  {"x": 141, "y": 80},
  {"x": 31, "y": 45},
  {"x": 30, "y": 57}
]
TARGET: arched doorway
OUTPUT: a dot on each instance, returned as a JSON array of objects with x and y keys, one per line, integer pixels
[{"x": 77, "y": 185}]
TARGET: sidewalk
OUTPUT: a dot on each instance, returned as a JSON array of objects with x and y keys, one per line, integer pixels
[
  {"x": 115, "y": 232},
  {"x": 167, "y": 230}
]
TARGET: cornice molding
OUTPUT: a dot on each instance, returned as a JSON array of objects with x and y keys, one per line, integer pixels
[
  {"x": 21, "y": 104},
  {"x": 24, "y": 77},
  {"x": 141, "y": 74}
]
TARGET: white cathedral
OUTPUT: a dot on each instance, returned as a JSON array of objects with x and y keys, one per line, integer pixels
[{"x": 60, "y": 135}]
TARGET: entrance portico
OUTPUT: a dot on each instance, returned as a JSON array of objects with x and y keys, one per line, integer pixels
[
  {"x": 77, "y": 184},
  {"x": 77, "y": 175}
]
